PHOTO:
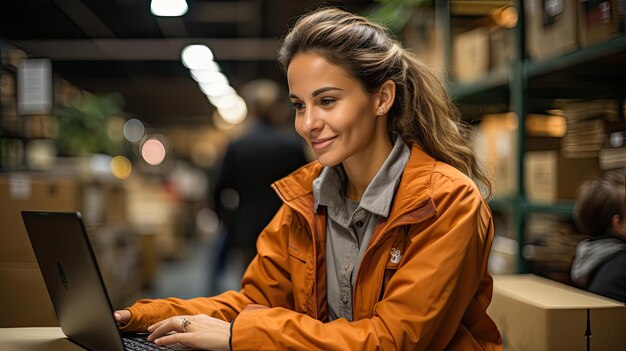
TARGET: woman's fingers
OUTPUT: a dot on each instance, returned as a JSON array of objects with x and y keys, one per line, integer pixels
[
  {"x": 122, "y": 316},
  {"x": 173, "y": 324},
  {"x": 200, "y": 331},
  {"x": 181, "y": 338},
  {"x": 157, "y": 324}
]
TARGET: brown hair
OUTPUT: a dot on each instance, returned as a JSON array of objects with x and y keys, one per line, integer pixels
[
  {"x": 599, "y": 199},
  {"x": 422, "y": 112}
]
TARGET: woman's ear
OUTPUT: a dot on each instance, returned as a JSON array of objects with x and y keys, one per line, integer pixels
[{"x": 386, "y": 96}]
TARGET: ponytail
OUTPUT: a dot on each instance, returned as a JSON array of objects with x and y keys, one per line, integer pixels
[{"x": 428, "y": 118}]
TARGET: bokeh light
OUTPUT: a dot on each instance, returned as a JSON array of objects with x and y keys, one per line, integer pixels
[
  {"x": 197, "y": 57},
  {"x": 207, "y": 75},
  {"x": 207, "y": 222},
  {"x": 168, "y": 8},
  {"x": 234, "y": 114},
  {"x": 121, "y": 167},
  {"x": 153, "y": 151},
  {"x": 133, "y": 130}
]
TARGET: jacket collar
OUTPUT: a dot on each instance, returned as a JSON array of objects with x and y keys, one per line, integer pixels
[{"x": 413, "y": 191}]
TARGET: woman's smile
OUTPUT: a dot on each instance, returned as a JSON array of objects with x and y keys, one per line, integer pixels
[{"x": 322, "y": 143}]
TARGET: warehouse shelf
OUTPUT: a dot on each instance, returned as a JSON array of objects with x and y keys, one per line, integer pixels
[{"x": 594, "y": 72}]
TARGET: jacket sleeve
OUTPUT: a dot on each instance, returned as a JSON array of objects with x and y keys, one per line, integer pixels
[
  {"x": 423, "y": 304},
  {"x": 266, "y": 282}
]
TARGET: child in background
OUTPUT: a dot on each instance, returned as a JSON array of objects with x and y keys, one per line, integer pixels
[{"x": 600, "y": 211}]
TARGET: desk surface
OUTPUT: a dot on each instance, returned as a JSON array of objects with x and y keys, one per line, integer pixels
[{"x": 35, "y": 339}]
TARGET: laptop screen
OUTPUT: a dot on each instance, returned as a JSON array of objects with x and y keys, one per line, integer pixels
[{"x": 70, "y": 271}]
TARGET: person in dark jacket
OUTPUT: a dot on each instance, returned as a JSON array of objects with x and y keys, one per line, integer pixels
[
  {"x": 244, "y": 198},
  {"x": 600, "y": 262}
]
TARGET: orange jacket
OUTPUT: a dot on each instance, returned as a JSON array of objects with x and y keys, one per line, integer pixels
[{"x": 434, "y": 298}]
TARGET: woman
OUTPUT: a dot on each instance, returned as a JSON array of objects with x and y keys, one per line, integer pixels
[{"x": 382, "y": 244}]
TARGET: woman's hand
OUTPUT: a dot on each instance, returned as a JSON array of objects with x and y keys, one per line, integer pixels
[
  {"x": 199, "y": 331},
  {"x": 121, "y": 317}
]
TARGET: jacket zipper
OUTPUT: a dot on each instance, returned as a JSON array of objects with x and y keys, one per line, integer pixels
[
  {"x": 374, "y": 244},
  {"x": 314, "y": 234},
  {"x": 314, "y": 229}
]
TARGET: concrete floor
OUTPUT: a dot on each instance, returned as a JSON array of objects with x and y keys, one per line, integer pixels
[{"x": 192, "y": 275}]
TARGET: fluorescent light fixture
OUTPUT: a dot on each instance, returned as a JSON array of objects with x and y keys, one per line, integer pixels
[
  {"x": 234, "y": 114},
  {"x": 224, "y": 101},
  {"x": 217, "y": 88},
  {"x": 212, "y": 67},
  {"x": 224, "y": 90},
  {"x": 197, "y": 57},
  {"x": 168, "y": 8},
  {"x": 205, "y": 76}
]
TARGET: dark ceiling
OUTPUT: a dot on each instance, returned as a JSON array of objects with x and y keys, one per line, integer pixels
[{"x": 119, "y": 46}]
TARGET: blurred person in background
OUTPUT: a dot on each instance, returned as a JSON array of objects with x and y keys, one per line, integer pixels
[
  {"x": 243, "y": 194},
  {"x": 383, "y": 242},
  {"x": 600, "y": 211}
]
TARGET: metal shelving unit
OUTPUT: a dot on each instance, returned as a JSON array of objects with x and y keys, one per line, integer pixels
[{"x": 602, "y": 68}]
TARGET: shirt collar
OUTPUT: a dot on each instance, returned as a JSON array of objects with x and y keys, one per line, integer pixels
[{"x": 328, "y": 188}]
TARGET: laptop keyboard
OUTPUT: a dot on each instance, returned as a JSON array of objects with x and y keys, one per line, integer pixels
[{"x": 137, "y": 343}]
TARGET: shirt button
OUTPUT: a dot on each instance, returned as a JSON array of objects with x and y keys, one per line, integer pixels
[
  {"x": 359, "y": 224},
  {"x": 346, "y": 266},
  {"x": 344, "y": 298}
]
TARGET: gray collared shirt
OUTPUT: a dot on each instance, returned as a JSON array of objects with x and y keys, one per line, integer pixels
[{"x": 350, "y": 224}]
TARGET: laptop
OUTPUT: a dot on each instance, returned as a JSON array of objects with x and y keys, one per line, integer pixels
[{"x": 70, "y": 271}]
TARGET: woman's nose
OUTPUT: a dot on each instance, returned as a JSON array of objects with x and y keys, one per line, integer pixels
[{"x": 312, "y": 121}]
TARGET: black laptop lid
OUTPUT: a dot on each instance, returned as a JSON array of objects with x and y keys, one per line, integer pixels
[{"x": 74, "y": 283}]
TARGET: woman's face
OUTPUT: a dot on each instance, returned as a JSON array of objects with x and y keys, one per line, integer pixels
[{"x": 334, "y": 113}]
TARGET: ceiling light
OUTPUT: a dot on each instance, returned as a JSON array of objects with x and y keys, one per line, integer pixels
[
  {"x": 234, "y": 114},
  {"x": 168, "y": 8},
  {"x": 197, "y": 57},
  {"x": 212, "y": 77},
  {"x": 212, "y": 67},
  {"x": 224, "y": 101},
  {"x": 216, "y": 89}
]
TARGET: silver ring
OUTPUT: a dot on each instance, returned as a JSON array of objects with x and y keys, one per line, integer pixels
[{"x": 184, "y": 324}]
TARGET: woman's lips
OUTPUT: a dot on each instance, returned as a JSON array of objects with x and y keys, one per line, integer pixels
[{"x": 322, "y": 143}]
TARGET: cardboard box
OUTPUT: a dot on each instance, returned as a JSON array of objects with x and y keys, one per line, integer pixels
[
  {"x": 116, "y": 204},
  {"x": 599, "y": 21},
  {"x": 471, "y": 55},
  {"x": 551, "y": 27},
  {"x": 496, "y": 148},
  {"x": 423, "y": 37},
  {"x": 501, "y": 48},
  {"x": 20, "y": 191},
  {"x": 550, "y": 177},
  {"x": 24, "y": 300},
  {"x": 534, "y": 313}
]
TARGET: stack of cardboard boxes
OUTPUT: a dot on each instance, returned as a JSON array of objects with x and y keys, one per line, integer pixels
[
  {"x": 24, "y": 299},
  {"x": 552, "y": 28}
]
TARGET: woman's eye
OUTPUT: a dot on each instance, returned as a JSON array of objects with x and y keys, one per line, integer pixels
[
  {"x": 327, "y": 101},
  {"x": 298, "y": 106}
]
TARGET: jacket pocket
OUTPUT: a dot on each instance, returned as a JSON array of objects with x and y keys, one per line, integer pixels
[
  {"x": 390, "y": 270},
  {"x": 297, "y": 252}
]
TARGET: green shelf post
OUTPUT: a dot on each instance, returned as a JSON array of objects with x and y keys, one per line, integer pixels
[{"x": 519, "y": 104}]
